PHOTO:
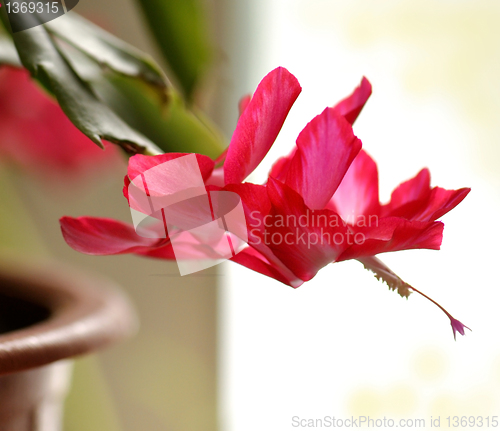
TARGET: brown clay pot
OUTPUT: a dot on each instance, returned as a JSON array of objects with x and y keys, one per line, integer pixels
[{"x": 49, "y": 315}]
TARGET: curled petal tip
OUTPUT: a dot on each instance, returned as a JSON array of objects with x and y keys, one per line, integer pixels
[{"x": 457, "y": 326}]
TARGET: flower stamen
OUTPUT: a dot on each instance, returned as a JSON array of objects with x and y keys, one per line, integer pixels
[{"x": 382, "y": 272}]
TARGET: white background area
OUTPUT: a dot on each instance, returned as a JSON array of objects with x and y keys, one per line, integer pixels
[{"x": 343, "y": 344}]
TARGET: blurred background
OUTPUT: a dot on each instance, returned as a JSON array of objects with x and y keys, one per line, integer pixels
[
  {"x": 231, "y": 350},
  {"x": 343, "y": 344}
]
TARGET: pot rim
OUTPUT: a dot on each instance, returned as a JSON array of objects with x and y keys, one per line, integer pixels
[{"x": 86, "y": 314}]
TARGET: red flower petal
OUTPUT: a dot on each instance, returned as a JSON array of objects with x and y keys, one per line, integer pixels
[
  {"x": 257, "y": 206},
  {"x": 217, "y": 178},
  {"x": 255, "y": 200},
  {"x": 415, "y": 200},
  {"x": 326, "y": 148},
  {"x": 280, "y": 168},
  {"x": 188, "y": 247},
  {"x": 394, "y": 234},
  {"x": 260, "y": 124},
  {"x": 243, "y": 103},
  {"x": 169, "y": 179},
  {"x": 415, "y": 189},
  {"x": 139, "y": 164},
  {"x": 357, "y": 194},
  {"x": 349, "y": 108},
  {"x": 163, "y": 252},
  {"x": 222, "y": 157},
  {"x": 304, "y": 240},
  {"x": 252, "y": 259},
  {"x": 352, "y": 105},
  {"x": 440, "y": 202},
  {"x": 102, "y": 236}
]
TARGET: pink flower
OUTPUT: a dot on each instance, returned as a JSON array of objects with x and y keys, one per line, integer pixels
[
  {"x": 36, "y": 135},
  {"x": 320, "y": 204}
]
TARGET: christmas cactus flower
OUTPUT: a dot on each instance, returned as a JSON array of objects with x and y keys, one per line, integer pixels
[
  {"x": 320, "y": 204},
  {"x": 37, "y": 136}
]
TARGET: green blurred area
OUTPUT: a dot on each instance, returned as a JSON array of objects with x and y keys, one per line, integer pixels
[
  {"x": 180, "y": 28},
  {"x": 89, "y": 406},
  {"x": 170, "y": 125},
  {"x": 165, "y": 378},
  {"x": 18, "y": 234},
  {"x": 71, "y": 57}
]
